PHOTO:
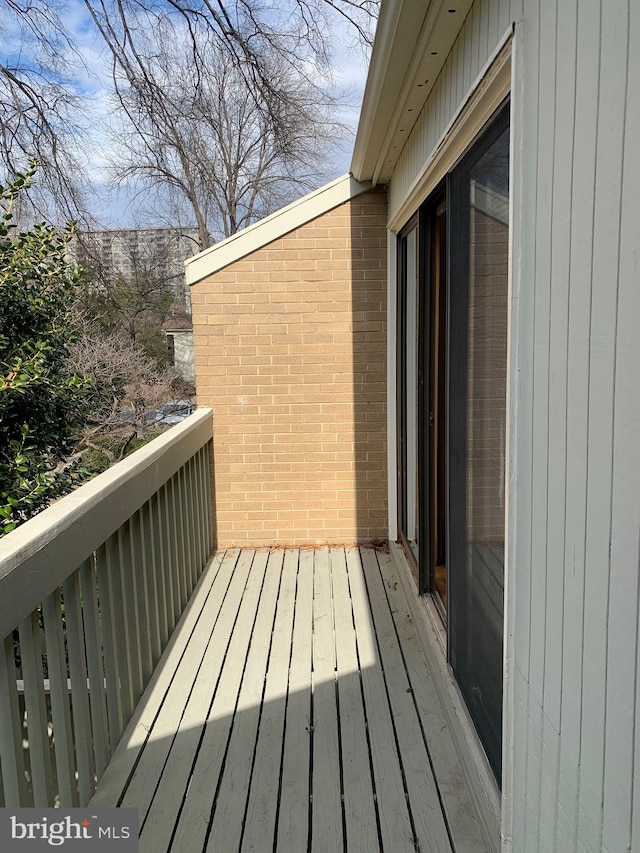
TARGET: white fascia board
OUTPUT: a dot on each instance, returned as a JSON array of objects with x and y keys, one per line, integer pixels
[
  {"x": 412, "y": 43},
  {"x": 272, "y": 227},
  {"x": 384, "y": 74}
]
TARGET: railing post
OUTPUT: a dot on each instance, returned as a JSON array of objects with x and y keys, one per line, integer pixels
[{"x": 208, "y": 492}]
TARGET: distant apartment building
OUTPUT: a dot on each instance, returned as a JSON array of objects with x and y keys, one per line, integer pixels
[
  {"x": 131, "y": 252},
  {"x": 147, "y": 254}
]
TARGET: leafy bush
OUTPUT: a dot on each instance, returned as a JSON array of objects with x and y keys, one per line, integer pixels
[{"x": 42, "y": 405}]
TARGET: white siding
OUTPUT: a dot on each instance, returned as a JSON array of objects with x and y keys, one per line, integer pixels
[
  {"x": 574, "y": 461},
  {"x": 576, "y": 453}
]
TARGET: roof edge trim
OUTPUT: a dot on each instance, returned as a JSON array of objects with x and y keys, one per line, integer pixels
[
  {"x": 412, "y": 44},
  {"x": 381, "y": 57},
  {"x": 272, "y": 227}
]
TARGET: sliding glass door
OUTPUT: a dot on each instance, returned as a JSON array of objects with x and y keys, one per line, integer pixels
[
  {"x": 479, "y": 259},
  {"x": 452, "y": 384}
]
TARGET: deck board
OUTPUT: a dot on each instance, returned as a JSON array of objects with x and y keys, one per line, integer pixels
[
  {"x": 293, "y": 809},
  {"x": 420, "y": 786},
  {"x": 158, "y": 825},
  {"x": 209, "y": 763},
  {"x": 300, "y": 715},
  {"x": 230, "y": 801},
  {"x": 360, "y": 806},
  {"x": 326, "y": 801},
  {"x": 395, "y": 819},
  {"x": 262, "y": 804}
]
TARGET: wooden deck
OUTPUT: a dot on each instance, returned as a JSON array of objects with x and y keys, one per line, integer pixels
[{"x": 293, "y": 711}]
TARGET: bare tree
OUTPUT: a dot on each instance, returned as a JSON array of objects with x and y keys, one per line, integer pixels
[
  {"x": 125, "y": 387},
  {"x": 210, "y": 143},
  {"x": 40, "y": 105},
  {"x": 218, "y": 92},
  {"x": 279, "y": 54}
]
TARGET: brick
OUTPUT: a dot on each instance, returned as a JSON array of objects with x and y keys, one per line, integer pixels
[{"x": 288, "y": 340}]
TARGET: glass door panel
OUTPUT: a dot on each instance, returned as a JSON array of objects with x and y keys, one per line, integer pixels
[
  {"x": 452, "y": 385},
  {"x": 479, "y": 203}
]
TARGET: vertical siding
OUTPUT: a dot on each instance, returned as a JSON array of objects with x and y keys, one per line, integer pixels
[
  {"x": 625, "y": 547},
  {"x": 574, "y": 490},
  {"x": 616, "y": 297},
  {"x": 576, "y": 459},
  {"x": 579, "y": 163}
]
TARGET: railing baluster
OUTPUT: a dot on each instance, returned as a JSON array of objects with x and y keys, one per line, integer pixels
[
  {"x": 208, "y": 495},
  {"x": 37, "y": 722},
  {"x": 107, "y": 569},
  {"x": 197, "y": 523},
  {"x": 178, "y": 532},
  {"x": 152, "y": 593},
  {"x": 167, "y": 558},
  {"x": 126, "y": 646},
  {"x": 127, "y": 602},
  {"x": 59, "y": 693},
  {"x": 187, "y": 479},
  {"x": 157, "y": 543},
  {"x": 173, "y": 579},
  {"x": 11, "y": 754},
  {"x": 93, "y": 639},
  {"x": 184, "y": 527},
  {"x": 188, "y": 525},
  {"x": 175, "y": 530},
  {"x": 79, "y": 692},
  {"x": 198, "y": 514},
  {"x": 141, "y": 600}
]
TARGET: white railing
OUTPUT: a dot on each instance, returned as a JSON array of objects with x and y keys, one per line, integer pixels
[{"x": 90, "y": 592}]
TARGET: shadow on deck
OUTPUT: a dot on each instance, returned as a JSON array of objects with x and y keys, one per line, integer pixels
[{"x": 293, "y": 710}]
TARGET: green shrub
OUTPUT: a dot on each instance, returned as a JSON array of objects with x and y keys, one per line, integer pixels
[{"x": 42, "y": 406}]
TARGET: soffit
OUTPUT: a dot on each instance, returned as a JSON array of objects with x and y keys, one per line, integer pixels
[{"x": 412, "y": 43}]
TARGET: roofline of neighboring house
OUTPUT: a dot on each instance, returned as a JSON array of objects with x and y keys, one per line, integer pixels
[
  {"x": 413, "y": 40},
  {"x": 272, "y": 227}
]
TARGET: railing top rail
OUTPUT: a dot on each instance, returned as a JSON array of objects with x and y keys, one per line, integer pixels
[{"x": 40, "y": 554}]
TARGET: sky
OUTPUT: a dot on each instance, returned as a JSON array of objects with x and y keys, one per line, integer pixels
[{"x": 119, "y": 207}]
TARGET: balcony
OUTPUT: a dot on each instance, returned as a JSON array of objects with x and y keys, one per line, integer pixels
[{"x": 254, "y": 700}]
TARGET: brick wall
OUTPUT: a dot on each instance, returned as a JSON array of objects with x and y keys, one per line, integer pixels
[{"x": 290, "y": 352}]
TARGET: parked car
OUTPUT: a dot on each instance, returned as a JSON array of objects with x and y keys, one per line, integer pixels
[{"x": 173, "y": 412}]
